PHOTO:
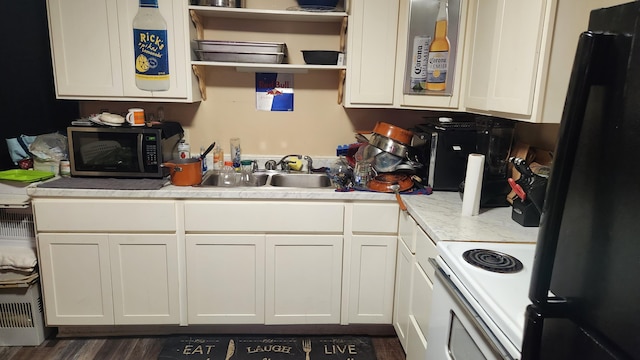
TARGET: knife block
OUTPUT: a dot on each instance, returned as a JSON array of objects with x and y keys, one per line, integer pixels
[{"x": 525, "y": 213}]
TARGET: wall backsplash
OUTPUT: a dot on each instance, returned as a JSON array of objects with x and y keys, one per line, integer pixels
[{"x": 316, "y": 126}]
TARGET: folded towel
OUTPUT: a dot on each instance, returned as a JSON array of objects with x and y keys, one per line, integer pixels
[{"x": 17, "y": 258}]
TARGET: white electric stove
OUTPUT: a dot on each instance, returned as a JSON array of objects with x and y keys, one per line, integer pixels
[{"x": 478, "y": 306}]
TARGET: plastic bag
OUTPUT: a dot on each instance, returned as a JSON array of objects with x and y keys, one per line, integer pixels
[
  {"x": 19, "y": 147},
  {"x": 50, "y": 147}
]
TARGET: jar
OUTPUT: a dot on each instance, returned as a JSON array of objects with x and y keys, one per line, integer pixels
[
  {"x": 65, "y": 168},
  {"x": 246, "y": 173},
  {"x": 228, "y": 175},
  {"x": 341, "y": 174},
  {"x": 362, "y": 174}
]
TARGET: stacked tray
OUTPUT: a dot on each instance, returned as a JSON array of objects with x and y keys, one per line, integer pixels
[{"x": 241, "y": 51}]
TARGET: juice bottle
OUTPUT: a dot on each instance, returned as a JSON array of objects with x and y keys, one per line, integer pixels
[
  {"x": 150, "y": 48},
  {"x": 439, "y": 52}
]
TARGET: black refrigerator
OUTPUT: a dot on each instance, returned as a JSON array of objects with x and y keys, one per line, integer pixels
[{"x": 585, "y": 287}]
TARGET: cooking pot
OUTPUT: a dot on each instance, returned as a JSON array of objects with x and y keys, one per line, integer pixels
[
  {"x": 185, "y": 172},
  {"x": 393, "y": 132},
  {"x": 392, "y": 183}
]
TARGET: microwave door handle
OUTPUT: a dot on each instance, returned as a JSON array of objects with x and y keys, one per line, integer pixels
[
  {"x": 141, "y": 152},
  {"x": 591, "y": 57}
]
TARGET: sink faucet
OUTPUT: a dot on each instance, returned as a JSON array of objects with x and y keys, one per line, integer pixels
[
  {"x": 309, "y": 164},
  {"x": 284, "y": 165}
]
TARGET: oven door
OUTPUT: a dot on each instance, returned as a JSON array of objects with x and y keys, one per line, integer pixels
[{"x": 456, "y": 330}]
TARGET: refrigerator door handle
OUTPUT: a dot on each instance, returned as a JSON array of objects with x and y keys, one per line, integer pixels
[{"x": 589, "y": 61}]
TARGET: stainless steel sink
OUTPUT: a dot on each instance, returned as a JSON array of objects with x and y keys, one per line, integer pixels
[
  {"x": 296, "y": 180},
  {"x": 300, "y": 180},
  {"x": 213, "y": 179}
]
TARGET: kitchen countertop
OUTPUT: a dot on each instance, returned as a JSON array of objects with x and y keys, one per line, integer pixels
[{"x": 439, "y": 214}]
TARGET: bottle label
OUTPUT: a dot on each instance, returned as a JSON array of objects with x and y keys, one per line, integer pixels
[
  {"x": 437, "y": 67},
  {"x": 151, "y": 55},
  {"x": 419, "y": 62}
]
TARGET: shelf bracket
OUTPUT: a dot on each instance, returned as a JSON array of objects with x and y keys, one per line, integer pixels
[
  {"x": 343, "y": 33},
  {"x": 343, "y": 75},
  {"x": 199, "y": 70},
  {"x": 197, "y": 21}
]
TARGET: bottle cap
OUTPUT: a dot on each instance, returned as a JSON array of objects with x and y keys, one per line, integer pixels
[
  {"x": 246, "y": 162},
  {"x": 228, "y": 163}
]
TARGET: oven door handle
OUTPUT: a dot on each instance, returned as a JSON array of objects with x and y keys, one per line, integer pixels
[{"x": 473, "y": 316}]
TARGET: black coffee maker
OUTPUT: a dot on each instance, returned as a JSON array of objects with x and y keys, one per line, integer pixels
[{"x": 495, "y": 137}]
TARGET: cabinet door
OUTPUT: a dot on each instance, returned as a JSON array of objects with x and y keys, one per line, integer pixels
[
  {"x": 422, "y": 291},
  {"x": 402, "y": 299},
  {"x": 174, "y": 13},
  {"x": 371, "y": 52},
  {"x": 504, "y": 57},
  {"x": 76, "y": 279},
  {"x": 373, "y": 266},
  {"x": 144, "y": 274},
  {"x": 225, "y": 279},
  {"x": 303, "y": 279},
  {"x": 405, "y": 46},
  {"x": 85, "y": 46}
]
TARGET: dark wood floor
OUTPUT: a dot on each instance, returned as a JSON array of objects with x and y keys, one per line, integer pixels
[{"x": 138, "y": 348}]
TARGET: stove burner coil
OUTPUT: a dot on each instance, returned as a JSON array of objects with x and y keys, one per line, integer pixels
[{"x": 492, "y": 261}]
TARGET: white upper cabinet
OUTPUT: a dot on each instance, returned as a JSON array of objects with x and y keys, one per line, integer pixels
[
  {"x": 411, "y": 25},
  {"x": 93, "y": 53},
  {"x": 372, "y": 47},
  {"x": 505, "y": 53},
  {"x": 379, "y": 45},
  {"x": 521, "y": 54}
]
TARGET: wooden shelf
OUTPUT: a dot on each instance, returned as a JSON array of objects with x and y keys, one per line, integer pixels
[
  {"x": 258, "y": 67},
  {"x": 260, "y": 14}
]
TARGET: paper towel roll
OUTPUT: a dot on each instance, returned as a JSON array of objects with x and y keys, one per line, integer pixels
[{"x": 473, "y": 185}]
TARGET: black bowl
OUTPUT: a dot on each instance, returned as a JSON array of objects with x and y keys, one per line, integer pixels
[
  {"x": 317, "y": 3},
  {"x": 320, "y": 57}
]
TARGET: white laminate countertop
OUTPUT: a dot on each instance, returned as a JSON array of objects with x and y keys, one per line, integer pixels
[{"x": 439, "y": 214}]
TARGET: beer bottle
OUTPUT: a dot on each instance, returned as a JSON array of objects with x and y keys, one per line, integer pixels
[
  {"x": 150, "y": 48},
  {"x": 439, "y": 52}
]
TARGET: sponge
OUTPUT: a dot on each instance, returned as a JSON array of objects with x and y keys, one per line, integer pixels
[{"x": 295, "y": 164}]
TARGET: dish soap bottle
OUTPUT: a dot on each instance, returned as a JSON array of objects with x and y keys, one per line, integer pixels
[{"x": 150, "y": 48}]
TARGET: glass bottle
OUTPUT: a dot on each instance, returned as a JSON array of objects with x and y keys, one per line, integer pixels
[
  {"x": 235, "y": 152},
  {"x": 437, "y": 64},
  {"x": 150, "y": 48},
  {"x": 218, "y": 158}
]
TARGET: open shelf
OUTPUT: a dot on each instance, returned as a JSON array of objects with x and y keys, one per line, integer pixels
[{"x": 261, "y": 14}]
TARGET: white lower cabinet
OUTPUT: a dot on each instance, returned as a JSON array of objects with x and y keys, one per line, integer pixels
[
  {"x": 373, "y": 266},
  {"x": 402, "y": 301},
  {"x": 225, "y": 277},
  {"x": 303, "y": 279},
  {"x": 76, "y": 279},
  {"x": 106, "y": 279},
  {"x": 414, "y": 287}
]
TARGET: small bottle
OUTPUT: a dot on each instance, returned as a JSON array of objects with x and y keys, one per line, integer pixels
[
  {"x": 184, "y": 150},
  {"x": 150, "y": 48},
  {"x": 218, "y": 158},
  {"x": 65, "y": 168},
  {"x": 235, "y": 153},
  {"x": 439, "y": 52},
  {"x": 228, "y": 175},
  {"x": 246, "y": 173}
]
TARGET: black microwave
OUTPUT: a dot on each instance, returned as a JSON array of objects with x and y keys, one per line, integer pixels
[{"x": 125, "y": 152}]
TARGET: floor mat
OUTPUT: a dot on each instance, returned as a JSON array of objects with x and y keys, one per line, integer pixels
[{"x": 260, "y": 347}]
